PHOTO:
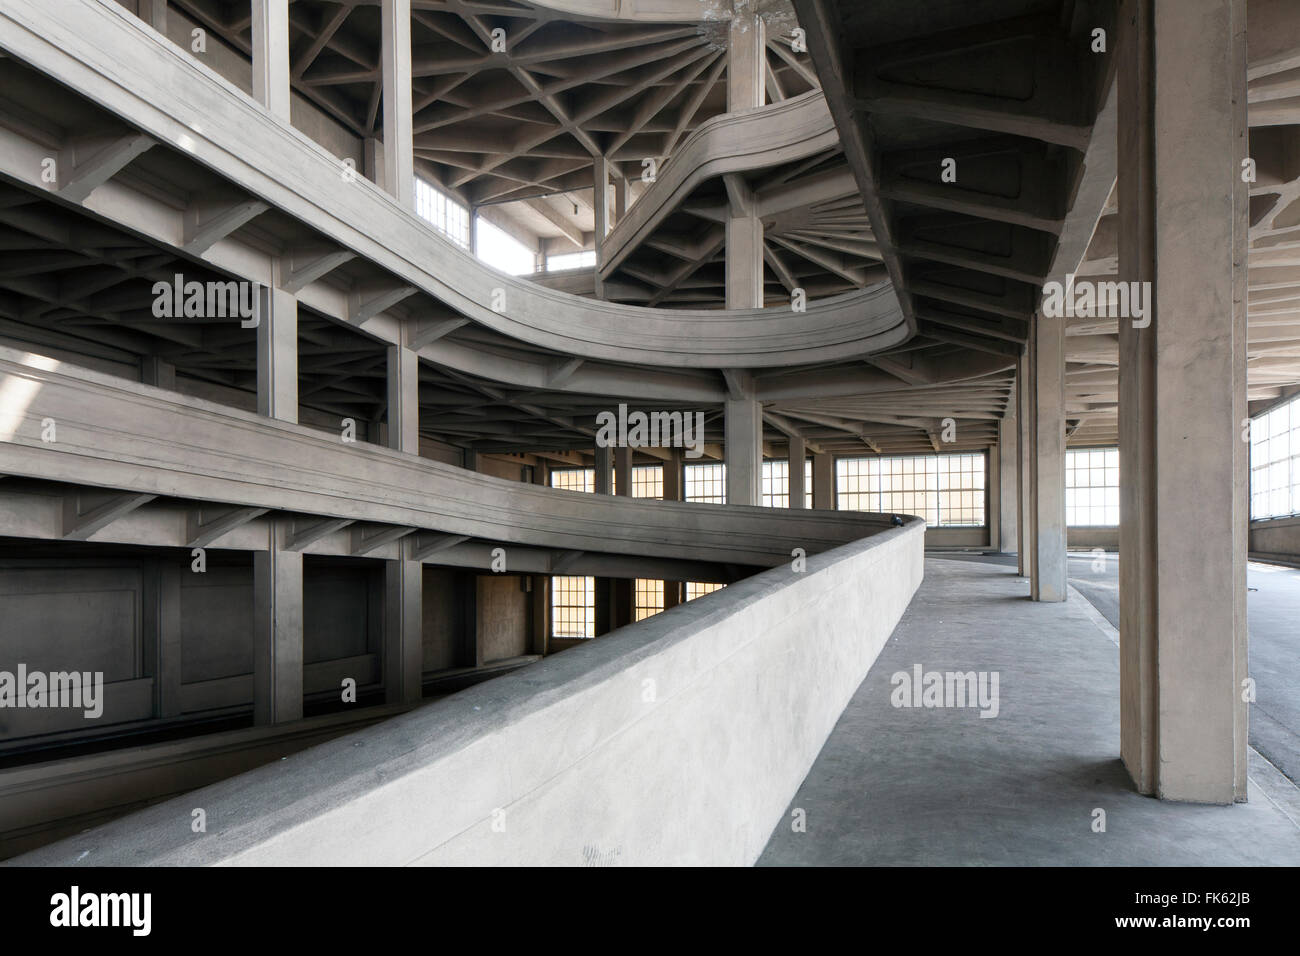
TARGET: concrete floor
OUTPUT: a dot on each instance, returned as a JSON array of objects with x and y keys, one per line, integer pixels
[{"x": 943, "y": 786}]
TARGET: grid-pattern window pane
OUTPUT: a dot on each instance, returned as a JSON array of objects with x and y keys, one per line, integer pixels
[
  {"x": 573, "y": 606},
  {"x": 695, "y": 589},
  {"x": 571, "y": 260},
  {"x": 1275, "y": 462},
  {"x": 1092, "y": 487},
  {"x": 447, "y": 216},
  {"x": 776, "y": 483},
  {"x": 574, "y": 479},
  {"x": 649, "y": 598},
  {"x": 945, "y": 490},
  {"x": 707, "y": 482},
  {"x": 648, "y": 482}
]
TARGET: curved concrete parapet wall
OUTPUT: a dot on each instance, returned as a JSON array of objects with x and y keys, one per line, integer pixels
[
  {"x": 678, "y": 740},
  {"x": 136, "y": 438},
  {"x": 161, "y": 89}
]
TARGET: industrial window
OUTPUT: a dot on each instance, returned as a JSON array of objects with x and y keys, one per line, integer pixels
[
  {"x": 571, "y": 260},
  {"x": 503, "y": 251},
  {"x": 695, "y": 589},
  {"x": 707, "y": 483},
  {"x": 648, "y": 482},
  {"x": 776, "y": 483},
  {"x": 573, "y": 606},
  {"x": 574, "y": 479},
  {"x": 946, "y": 490},
  {"x": 1275, "y": 462},
  {"x": 649, "y": 598},
  {"x": 1092, "y": 488},
  {"x": 447, "y": 216}
]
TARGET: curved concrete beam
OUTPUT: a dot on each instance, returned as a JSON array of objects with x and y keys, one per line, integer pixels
[
  {"x": 160, "y": 88},
  {"x": 733, "y": 142},
  {"x": 640, "y": 11}
]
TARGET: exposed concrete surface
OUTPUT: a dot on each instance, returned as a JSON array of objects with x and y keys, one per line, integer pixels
[
  {"x": 677, "y": 740},
  {"x": 944, "y": 786}
]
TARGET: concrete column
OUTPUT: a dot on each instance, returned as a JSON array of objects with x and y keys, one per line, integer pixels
[
  {"x": 1023, "y": 447},
  {"x": 1047, "y": 561},
  {"x": 744, "y": 451},
  {"x": 277, "y": 354},
  {"x": 623, "y": 471},
  {"x": 672, "y": 594},
  {"x": 154, "y": 13},
  {"x": 798, "y": 452},
  {"x": 673, "y": 476},
  {"x": 620, "y": 196},
  {"x": 270, "y": 27},
  {"x": 277, "y": 629},
  {"x": 746, "y": 58},
  {"x": 600, "y": 204},
  {"x": 604, "y": 477},
  {"x": 1182, "y": 397},
  {"x": 992, "y": 496},
  {"x": 824, "y": 481},
  {"x": 154, "y": 371},
  {"x": 403, "y": 399},
  {"x": 395, "y": 66},
  {"x": 1008, "y": 463},
  {"x": 744, "y": 249},
  {"x": 403, "y": 629}
]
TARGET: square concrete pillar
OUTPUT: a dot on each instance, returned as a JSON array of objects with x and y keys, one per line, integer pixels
[
  {"x": 746, "y": 58},
  {"x": 403, "y": 399},
  {"x": 603, "y": 483},
  {"x": 673, "y": 476},
  {"x": 1008, "y": 463},
  {"x": 1047, "y": 559},
  {"x": 403, "y": 629},
  {"x": 395, "y": 68},
  {"x": 277, "y": 629},
  {"x": 824, "y": 481},
  {"x": 277, "y": 354},
  {"x": 795, "y": 468},
  {"x": 623, "y": 472},
  {"x": 744, "y": 451},
  {"x": 270, "y": 27},
  {"x": 1023, "y": 450},
  {"x": 1182, "y": 397}
]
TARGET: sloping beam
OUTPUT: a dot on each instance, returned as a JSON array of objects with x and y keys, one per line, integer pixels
[
  {"x": 200, "y": 533},
  {"x": 364, "y": 543},
  {"x": 207, "y": 222},
  {"x": 78, "y": 177},
  {"x": 79, "y": 526},
  {"x": 307, "y": 264},
  {"x": 309, "y": 534},
  {"x": 427, "y": 545}
]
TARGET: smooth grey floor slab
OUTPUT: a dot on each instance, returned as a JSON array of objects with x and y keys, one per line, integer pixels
[{"x": 943, "y": 786}]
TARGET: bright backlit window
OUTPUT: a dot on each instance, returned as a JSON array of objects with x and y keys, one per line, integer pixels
[
  {"x": 1092, "y": 487},
  {"x": 946, "y": 490},
  {"x": 695, "y": 589},
  {"x": 1275, "y": 462},
  {"x": 503, "y": 251},
  {"x": 447, "y": 216},
  {"x": 648, "y": 481},
  {"x": 571, "y": 260},
  {"x": 707, "y": 483},
  {"x": 776, "y": 483},
  {"x": 574, "y": 479},
  {"x": 573, "y": 607},
  {"x": 649, "y": 598}
]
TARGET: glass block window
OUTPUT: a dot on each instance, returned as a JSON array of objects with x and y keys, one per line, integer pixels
[
  {"x": 1092, "y": 487},
  {"x": 945, "y": 490},
  {"x": 649, "y": 598},
  {"x": 706, "y": 482}
]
